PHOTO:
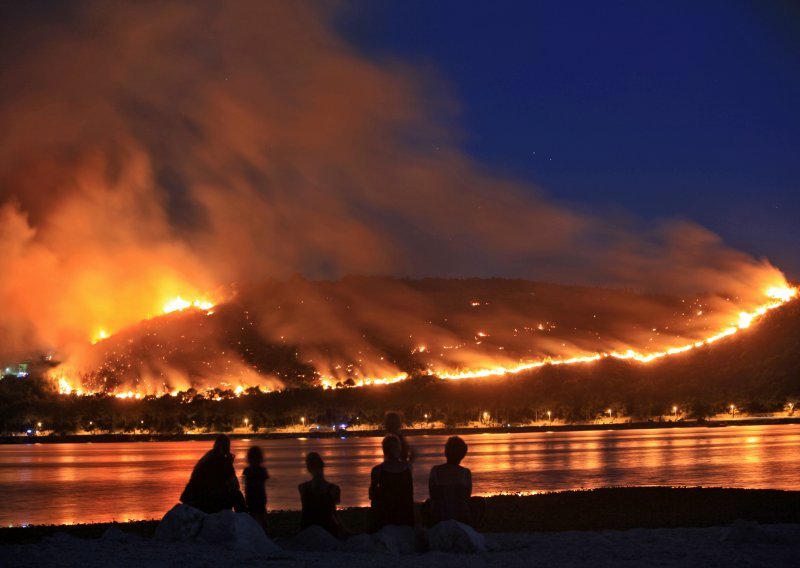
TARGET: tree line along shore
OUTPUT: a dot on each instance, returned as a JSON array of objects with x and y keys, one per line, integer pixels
[{"x": 376, "y": 431}]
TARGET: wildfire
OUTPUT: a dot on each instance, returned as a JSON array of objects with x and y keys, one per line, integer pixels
[
  {"x": 99, "y": 336},
  {"x": 331, "y": 382},
  {"x": 777, "y": 295},
  {"x": 783, "y": 293},
  {"x": 178, "y": 304}
]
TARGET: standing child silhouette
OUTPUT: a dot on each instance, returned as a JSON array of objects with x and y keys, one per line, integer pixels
[{"x": 255, "y": 492}]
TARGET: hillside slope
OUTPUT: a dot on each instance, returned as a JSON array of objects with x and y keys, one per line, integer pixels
[{"x": 362, "y": 330}]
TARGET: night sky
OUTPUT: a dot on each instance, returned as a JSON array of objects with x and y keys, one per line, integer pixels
[{"x": 680, "y": 109}]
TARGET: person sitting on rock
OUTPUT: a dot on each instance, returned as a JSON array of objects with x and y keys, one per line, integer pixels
[
  {"x": 450, "y": 487},
  {"x": 319, "y": 498},
  {"x": 213, "y": 485},
  {"x": 255, "y": 475},
  {"x": 391, "y": 490}
]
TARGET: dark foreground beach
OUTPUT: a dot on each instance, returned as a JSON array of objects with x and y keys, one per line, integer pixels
[{"x": 620, "y": 526}]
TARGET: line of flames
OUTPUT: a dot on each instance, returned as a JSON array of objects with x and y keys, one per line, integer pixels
[{"x": 778, "y": 296}]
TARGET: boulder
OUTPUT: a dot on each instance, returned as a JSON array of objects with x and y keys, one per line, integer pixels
[
  {"x": 237, "y": 530},
  {"x": 396, "y": 539},
  {"x": 182, "y": 522},
  {"x": 452, "y": 536},
  {"x": 315, "y": 539}
]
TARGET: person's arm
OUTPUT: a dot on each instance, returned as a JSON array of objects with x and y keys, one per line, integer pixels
[
  {"x": 336, "y": 493},
  {"x": 468, "y": 481},
  {"x": 431, "y": 481}
]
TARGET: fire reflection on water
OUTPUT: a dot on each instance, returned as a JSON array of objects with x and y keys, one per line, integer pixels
[{"x": 82, "y": 483}]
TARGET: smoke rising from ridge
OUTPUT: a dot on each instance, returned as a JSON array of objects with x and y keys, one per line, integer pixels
[{"x": 157, "y": 149}]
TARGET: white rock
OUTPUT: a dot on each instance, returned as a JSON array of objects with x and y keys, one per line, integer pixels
[
  {"x": 182, "y": 522},
  {"x": 396, "y": 539},
  {"x": 452, "y": 536},
  {"x": 315, "y": 539},
  {"x": 237, "y": 530}
]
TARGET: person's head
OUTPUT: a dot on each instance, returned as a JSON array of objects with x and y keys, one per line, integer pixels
[
  {"x": 391, "y": 447},
  {"x": 314, "y": 464},
  {"x": 222, "y": 445},
  {"x": 393, "y": 422},
  {"x": 455, "y": 449},
  {"x": 255, "y": 456}
]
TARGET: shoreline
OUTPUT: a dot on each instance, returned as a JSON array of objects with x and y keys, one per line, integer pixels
[
  {"x": 610, "y": 528},
  {"x": 455, "y": 431},
  {"x": 610, "y": 508}
]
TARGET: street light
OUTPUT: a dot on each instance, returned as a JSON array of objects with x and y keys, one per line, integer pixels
[
  {"x": 246, "y": 421},
  {"x": 549, "y": 414},
  {"x": 303, "y": 420},
  {"x": 733, "y": 410},
  {"x": 39, "y": 425},
  {"x": 609, "y": 412},
  {"x": 675, "y": 411},
  {"x": 486, "y": 417}
]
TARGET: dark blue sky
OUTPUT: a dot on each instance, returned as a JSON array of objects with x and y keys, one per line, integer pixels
[{"x": 665, "y": 109}]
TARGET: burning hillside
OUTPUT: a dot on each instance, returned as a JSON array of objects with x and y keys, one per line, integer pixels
[
  {"x": 147, "y": 163},
  {"x": 361, "y": 331}
]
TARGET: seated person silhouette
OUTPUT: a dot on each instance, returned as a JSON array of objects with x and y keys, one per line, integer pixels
[
  {"x": 450, "y": 487},
  {"x": 319, "y": 498},
  {"x": 255, "y": 475},
  {"x": 391, "y": 490},
  {"x": 213, "y": 485}
]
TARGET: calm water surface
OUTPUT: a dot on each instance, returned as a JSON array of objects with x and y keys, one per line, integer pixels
[{"x": 82, "y": 483}]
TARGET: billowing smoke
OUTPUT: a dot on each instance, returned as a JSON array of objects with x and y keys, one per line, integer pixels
[{"x": 157, "y": 149}]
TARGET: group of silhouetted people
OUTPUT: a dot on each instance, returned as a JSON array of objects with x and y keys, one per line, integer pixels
[{"x": 214, "y": 486}]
